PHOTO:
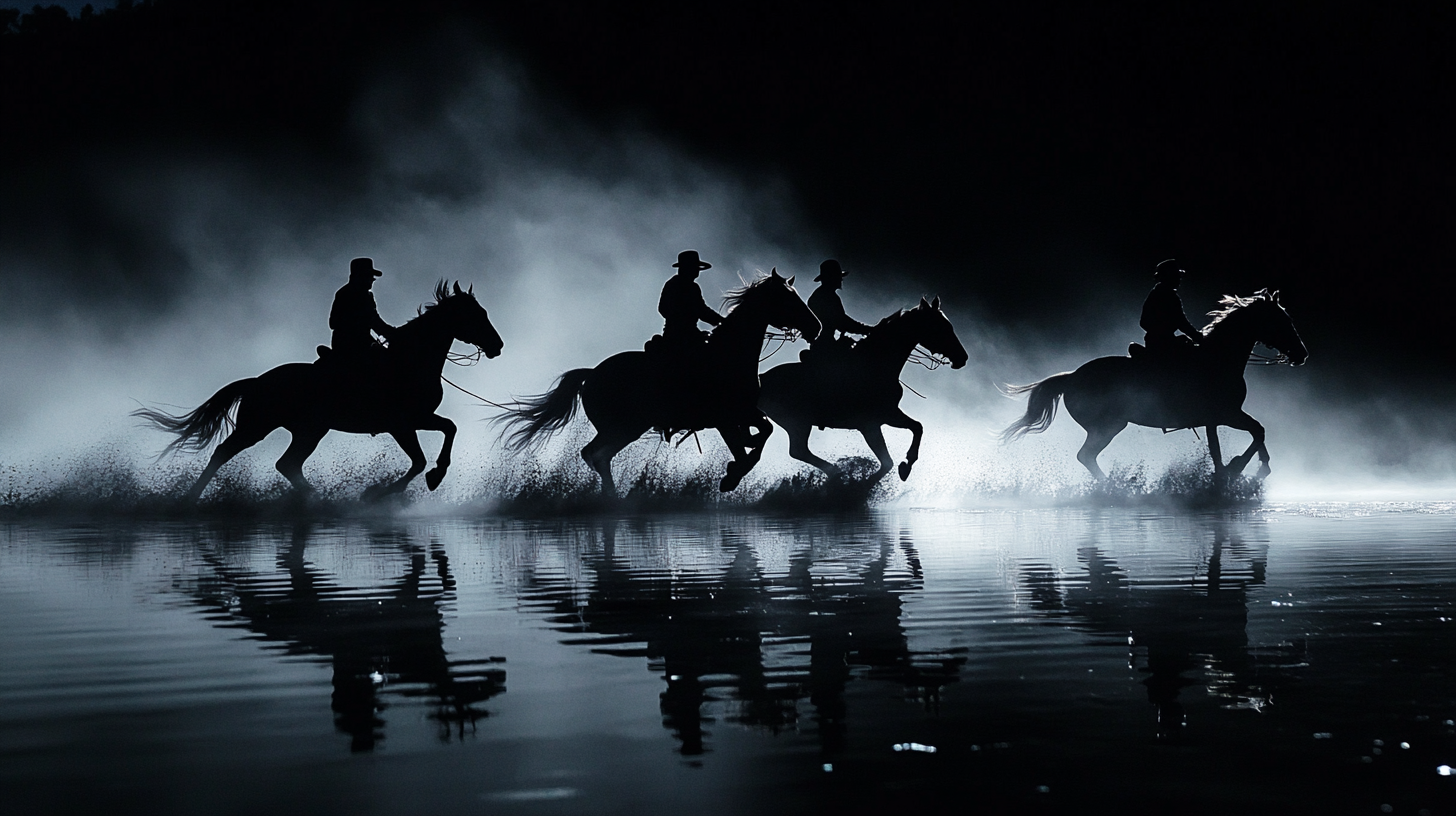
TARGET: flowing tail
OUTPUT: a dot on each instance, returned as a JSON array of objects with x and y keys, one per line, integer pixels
[
  {"x": 531, "y": 419},
  {"x": 1041, "y": 406},
  {"x": 195, "y": 431}
]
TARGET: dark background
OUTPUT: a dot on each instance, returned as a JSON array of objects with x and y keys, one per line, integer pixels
[{"x": 993, "y": 153}]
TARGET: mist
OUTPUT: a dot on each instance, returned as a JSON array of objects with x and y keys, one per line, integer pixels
[{"x": 566, "y": 228}]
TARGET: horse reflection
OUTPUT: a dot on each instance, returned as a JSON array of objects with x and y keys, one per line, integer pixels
[
  {"x": 758, "y": 643},
  {"x": 1199, "y": 627},
  {"x": 387, "y": 640}
]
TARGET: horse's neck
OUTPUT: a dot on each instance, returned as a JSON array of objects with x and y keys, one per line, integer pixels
[
  {"x": 1230, "y": 341},
  {"x": 888, "y": 347},
  {"x": 423, "y": 343},
  {"x": 739, "y": 335}
]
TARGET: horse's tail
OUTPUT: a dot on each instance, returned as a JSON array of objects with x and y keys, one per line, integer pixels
[
  {"x": 196, "y": 430},
  {"x": 1041, "y": 406},
  {"x": 530, "y": 420}
]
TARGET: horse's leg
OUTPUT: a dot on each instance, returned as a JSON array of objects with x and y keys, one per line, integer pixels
[
  {"x": 1214, "y": 450},
  {"x": 1251, "y": 426},
  {"x": 241, "y": 439},
  {"x": 409, "y": 442},
  {"x": 599, "y": 452},
  {"x": 876, "y": 439},
  {"x": 900, "y": 419},
  {"x": 442, "y": 462},
  {"x": 799, "y": 448},
  {"x": 290, "y": 464},
  {"x": 1098, "y": 438},
  {"x": 739, "y": 442}
]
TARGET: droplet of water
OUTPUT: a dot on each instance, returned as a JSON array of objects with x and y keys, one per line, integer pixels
[
  {"x": 1322, "y": 735},
  {"x": 829, "y": 767},
  {"x": 1444, "y": 770}
]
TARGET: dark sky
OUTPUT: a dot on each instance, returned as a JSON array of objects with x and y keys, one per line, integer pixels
[{"x": 1030, "y": 161}]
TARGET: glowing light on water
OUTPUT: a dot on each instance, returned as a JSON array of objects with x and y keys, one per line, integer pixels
[{"x": 914, "y": 746}]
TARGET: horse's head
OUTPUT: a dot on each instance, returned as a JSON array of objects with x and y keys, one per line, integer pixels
[
  {"x": 467, "y": 319},
  {"x": 1266, "y": 322},
  {"x": 935, "y": 333},
  {"x": 775, "y": 300}
]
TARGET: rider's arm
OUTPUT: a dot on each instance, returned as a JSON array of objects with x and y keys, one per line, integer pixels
[{"x": 707, "y": 315}]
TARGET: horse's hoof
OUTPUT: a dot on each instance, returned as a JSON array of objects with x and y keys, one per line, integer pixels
[
  {"x": 904, "y": 471},
  {"x": 732, "y": 477},
  {"x": 434, "y": 477}
]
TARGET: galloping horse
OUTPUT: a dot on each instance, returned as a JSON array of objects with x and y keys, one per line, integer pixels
[
  {"x": 1207, "y": 390},
  {"x": 398, "y": 396},
  {"x": 861, "y": 391},
  {"x": 633, "y": 392}
]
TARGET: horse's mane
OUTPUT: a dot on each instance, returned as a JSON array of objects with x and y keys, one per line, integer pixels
[
  {"x": 735, "y": 297},
  {"x": 1233, "y": 303}
]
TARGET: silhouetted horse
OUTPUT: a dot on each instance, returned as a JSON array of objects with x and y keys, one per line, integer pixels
[
  {"x": 861, "y": 389},
  {"x": 397, "y": 396},
  {"x": 631, "y": 393},
  {"x": 1207, "y": 389}
]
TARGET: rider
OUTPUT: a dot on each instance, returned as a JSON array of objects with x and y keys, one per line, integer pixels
[
  {"x": 354, "y": 314},
  {"x": 826, "y": 306},
  {"x": 1163, "y": 315},
  {"x": 682, "y": 305}
]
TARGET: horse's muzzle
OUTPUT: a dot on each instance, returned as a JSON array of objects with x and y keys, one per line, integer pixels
[{"x": 491, "y": 355}]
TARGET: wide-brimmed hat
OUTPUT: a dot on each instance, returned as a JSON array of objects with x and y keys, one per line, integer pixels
[
  {"x": 363, "y": 268},
  {"x": 688, "y": 259},
  {"x": 830, "y": 269},
  {"x": 1169, "y": 269}
]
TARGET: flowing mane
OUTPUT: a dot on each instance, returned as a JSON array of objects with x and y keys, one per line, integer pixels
[
  {"x": 1233, "y": 303},
  {"x": 735, "y": 297}
]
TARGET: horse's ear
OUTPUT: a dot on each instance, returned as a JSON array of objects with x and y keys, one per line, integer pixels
[
  {"x": 790, "y": 281},
  {"x": 935, "y": 304},
  {"x": 1275, "y": 297},
  {"x": 923, "y": 304},
  {"x": 457, "y": 288},
  {"x": 774, "y": 273}
]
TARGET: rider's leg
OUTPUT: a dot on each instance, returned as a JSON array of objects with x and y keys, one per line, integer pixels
[
  {"x": 290, "y": 464},
  {"x": 239, "y": 440},
  {"x": 1098, "y": 438},
  {"x": 1214, "y": 450},
  {"x": 1248, "y": 424},
  {"x": 799, "y": 449},
  {"x": 442, "y": 462},
  {"x": 900, "y": 419},
  {"x": 876, "y": 439}
]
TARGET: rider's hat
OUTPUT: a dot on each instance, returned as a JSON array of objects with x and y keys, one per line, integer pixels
[
  {"x": 1169, "y": 269},
  {"x": 363, "y": 268},
  {"x": 830, "y": 269},
  {"x": 688, "y": 259}
]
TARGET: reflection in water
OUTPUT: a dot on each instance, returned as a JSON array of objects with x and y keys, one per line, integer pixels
[
  {"x": 765, "y": 640},
  {"x": 382, "y": 640},
  {"x": 1197, "y": 625}
]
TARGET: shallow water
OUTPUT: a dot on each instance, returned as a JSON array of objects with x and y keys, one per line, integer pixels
[{"x": 1293, "y": 659}]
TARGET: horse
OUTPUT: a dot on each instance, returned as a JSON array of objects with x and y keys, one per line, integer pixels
[
  {"x": 862, "y": 390},
  {"x": 1207, "y": 389},
  {"x": 396, "y": 394},
  {"x": 631, "y": 393}
]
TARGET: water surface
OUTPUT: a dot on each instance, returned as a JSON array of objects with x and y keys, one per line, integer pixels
[{"x": 1292, "y": 659}]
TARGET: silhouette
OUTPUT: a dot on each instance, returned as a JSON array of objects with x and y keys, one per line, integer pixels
[
  {"x": 682, "y": 306},
  {"x": 387, "y": 640},
  {"x": 860, "y": 389},
  {"x": 396, "y": 395},
  {"x": 1201, "y": 626},
  {"x": 763, "y": 641},
  {"x": 1163, "y": 315},
  {"x": 834, "y": 324},
  {"x": 354, "y": 315},
  {"x": 633, "y": 392},
  {"x": 1206, "y": 390}
]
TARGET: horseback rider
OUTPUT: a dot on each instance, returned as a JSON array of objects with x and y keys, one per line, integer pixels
[
  {"x": 826, "y": 306},
  {"x": 354, "y": 315},
  {"x": 1163, "y": 315},
  {"x": 682, "y": 306}
]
